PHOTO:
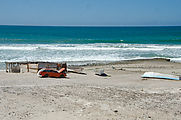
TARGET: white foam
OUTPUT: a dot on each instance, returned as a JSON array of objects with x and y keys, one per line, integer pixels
[
  {"x": 165, "y": 46},
  {"x": 178, "y": 60},
  {"x": 144, "y": 49},
  {"x": 78, "y": 48},
  {"x": 86, "y": 52},
  {"x": 96, "y": 47},
  {"x": 16, "y": 48}
]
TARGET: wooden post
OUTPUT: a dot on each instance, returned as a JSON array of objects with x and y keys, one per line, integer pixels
[
  {"x": 6, "y": 67},
  {"x": 10, "y": 68},
  {"x": 37, "y": 67},
  {"x": 28, "y": 67}
]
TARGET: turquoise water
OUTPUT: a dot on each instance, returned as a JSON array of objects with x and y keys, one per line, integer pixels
[
  {"x": 85, "y": 35},
  {"x": 84, "y": 45}
]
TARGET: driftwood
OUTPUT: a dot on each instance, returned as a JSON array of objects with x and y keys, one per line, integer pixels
[{"x": 77, "y": 70}]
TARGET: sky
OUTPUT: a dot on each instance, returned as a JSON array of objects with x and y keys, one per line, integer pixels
[{"x": 91, "y": 12}]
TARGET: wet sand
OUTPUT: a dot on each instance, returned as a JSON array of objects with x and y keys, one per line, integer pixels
[{"x": 123, "y": 95}]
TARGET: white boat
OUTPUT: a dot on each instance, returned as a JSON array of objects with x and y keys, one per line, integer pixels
[{"x": 160, "y": 76}]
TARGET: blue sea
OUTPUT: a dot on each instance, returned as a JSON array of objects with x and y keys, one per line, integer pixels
[{"x": 85, "y": 45}]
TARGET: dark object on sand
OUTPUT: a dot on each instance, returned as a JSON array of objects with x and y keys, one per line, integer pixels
[
  {"x": 72, "y": 71},
  {"x": 100, "y": 72},
  {"x": 77, "y": 70}
]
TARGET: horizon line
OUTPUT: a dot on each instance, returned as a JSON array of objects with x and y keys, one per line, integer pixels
[{"x": 90, "y": 25}]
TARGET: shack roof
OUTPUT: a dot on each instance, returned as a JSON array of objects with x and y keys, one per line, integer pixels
[{"x": 30, "y": 62}]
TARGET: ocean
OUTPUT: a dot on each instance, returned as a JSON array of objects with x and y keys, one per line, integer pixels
[{"x": 87, "y": 45}]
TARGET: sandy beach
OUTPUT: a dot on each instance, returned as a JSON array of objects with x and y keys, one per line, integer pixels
[
  {"x": 90, "y": 60},
  {"x": 124, "y": 95}
]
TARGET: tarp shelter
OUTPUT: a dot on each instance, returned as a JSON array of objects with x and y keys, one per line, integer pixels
[{"x": 17, "y": 67}]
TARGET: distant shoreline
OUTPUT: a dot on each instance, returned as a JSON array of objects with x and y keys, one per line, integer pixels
[{"x": 98, "y": 63}]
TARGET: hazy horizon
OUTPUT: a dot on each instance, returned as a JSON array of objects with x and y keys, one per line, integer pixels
[{"x": 92, "y": 25}]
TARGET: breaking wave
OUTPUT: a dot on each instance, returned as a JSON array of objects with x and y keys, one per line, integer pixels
[
  {"x": 87, "y": 53},
  {"x": 137, "y": 47}
]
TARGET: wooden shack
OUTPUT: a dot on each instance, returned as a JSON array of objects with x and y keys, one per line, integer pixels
[{"x": 21, "y": 67}]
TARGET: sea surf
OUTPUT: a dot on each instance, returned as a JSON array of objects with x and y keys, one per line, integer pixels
[{"x": 86, "y": 45}]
